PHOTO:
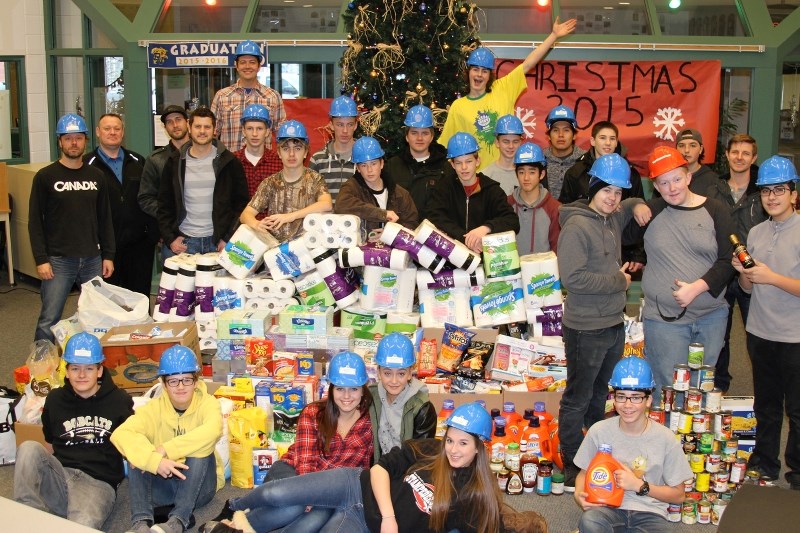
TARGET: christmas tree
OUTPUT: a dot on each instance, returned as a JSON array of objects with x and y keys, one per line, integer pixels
[{"x": 402, "y": 53}]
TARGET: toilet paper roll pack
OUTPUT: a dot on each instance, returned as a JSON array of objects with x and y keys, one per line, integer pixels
[
  {"x": 455, "y": 252},
  {"x": 374, "y": 254},
  {"x": 402, "y": 238},
  {"x": 330, "y": 230},
  {"x": 245, "y": 250},
  {"x": 229, "y": 293},
  {"x": 439, "y": 306},
  {"x": 384, "y": 289},
  {"x": 207, "y": 329},
  {"x": 289, "y": 260},
  {"x": 500, "y": 255},
  {"x": 498, "y": 301},
  {"x": 541, "y": 280},
  {"x": 447, "y": 279},
  {"x": 342, "y": 282},
  {"x": 313, "y": 290}
]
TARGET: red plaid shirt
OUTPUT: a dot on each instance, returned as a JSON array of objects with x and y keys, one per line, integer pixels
[
  {"x": 306, "y": 456},
  {"x": 268, "y": 165},
  {"x": 228, "y": 105}
]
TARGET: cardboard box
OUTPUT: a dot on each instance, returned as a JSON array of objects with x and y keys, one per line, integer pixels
[
  {"x": 34, "y": 432},
  {"x": 522, "y": 400},
  {"x": 743, "y": 418},
  {"x": 133, "y": 363},
  {"x": 493, "y": 401}
]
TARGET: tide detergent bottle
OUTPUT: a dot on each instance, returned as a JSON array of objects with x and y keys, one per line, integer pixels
[{"x": 600, "y": 484}]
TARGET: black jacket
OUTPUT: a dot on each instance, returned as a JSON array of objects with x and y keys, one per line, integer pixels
[
  {"x": 576, "y": 181},
  {"x": 229, "y": 199},
  {"x": 151, "y": 178},
  {"x": 419, "y": 178},
  {"x": 452, "y": 212},
  {"x": 80, "y": 429},
  {"x": 748, "y": 211},
  {"x": 131, "y": 224}
]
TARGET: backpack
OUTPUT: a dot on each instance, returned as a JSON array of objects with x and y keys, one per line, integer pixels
[{"x": 9, "y": 398}]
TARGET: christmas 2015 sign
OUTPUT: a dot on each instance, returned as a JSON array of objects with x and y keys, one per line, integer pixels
[{"x": 649, "y": 101}]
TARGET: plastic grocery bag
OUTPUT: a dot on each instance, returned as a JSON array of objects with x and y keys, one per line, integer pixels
[
  {"x": 8, "y": 443},
  {"x": 102, "y": 306},
  {"x": 43, "y": 362},
  {"x": 247, "y": 430}
]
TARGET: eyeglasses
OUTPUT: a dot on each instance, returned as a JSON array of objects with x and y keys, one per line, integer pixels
[
  {"x": 777, "y": 191},
  {"x": 174, "y": 382},
  {"x": 635, "y": 400},
  {"x": 669, "y": 318}
]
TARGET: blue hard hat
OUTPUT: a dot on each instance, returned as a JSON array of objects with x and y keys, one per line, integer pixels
[
  {"x": 366, "y": 149},
  {"x": 249, "y": 48},
  {"x": 632, "y": 373},
  {"x": 178, "y": 360},
  {"x": 481, "y": 57},
  {"x": 419, "y": 116},
  {"x": 395, "y": 351},
  {"x": 83, "y": 349},
  {"x": 472, "y": 418},
  {"x": 292, "y": 129},
  {"x": 776, "y": 170},
  {"x": 530, "y": 154},
  {"x": 347, "y": 369},
  {"x": 611, "y": 169},
  {"x": 256, "y": 112},
  {"x": 509, "y": 125},
  {"x": 71, "y": 123},
  {"x": 343, "y": 106},
  {"x": 461, "y": 144},
  {"x": 561, "y": 112}
]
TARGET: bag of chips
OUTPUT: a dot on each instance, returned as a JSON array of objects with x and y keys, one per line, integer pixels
[{"x": 455, "y": 342}]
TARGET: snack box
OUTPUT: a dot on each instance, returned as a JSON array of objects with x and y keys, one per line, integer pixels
[{"x": 743, "y": 418}]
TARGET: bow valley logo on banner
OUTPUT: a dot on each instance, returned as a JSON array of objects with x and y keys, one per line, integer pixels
[
  {"x": 649, "y": 101},
  {"x": 195, "y": 54}
]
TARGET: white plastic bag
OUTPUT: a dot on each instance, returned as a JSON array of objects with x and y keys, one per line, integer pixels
[
  {"x": 101, "y": 306},
  {"x": 8, "y": 444}
]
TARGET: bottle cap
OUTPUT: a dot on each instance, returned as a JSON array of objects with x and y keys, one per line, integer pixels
[{"x": 558, "y": 477}]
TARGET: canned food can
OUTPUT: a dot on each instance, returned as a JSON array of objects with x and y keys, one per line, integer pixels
[
  {"x": 738, "y": 471},
  {"x": 702, "y": 481},
  {"x": 688, "y": 485},
  {"x": 752, "y": 476},
  {"x": 685, "y": 423},
  {"x": 696, "y": 353},
  {"x": 694, "y": 495},
  {"x": 722, "y": 425},
  {"x": 712, "y": 463},
  {"x": 694, "y": 401},
  {"x": 704, "y": 517},
  {"x": 731, "y": 447},
  {"x": 717, "y": 445},
  {"x": 697, "y": 462},
  {"x": 657, "y": 415},
  {"x": 720, "y": 481},
  {"x": 705, "y": 378},
  {"x": 714, "y": 401},
  {"x": 674, "y": 512},
  {"x": 667, "y": 398},
  {"x": 706, "y": 443},
  {"x": 674, "y": 420},
  {"x": 698, "y": 423},
  {"x": 681, "y": 377},
  {"x": 689, "y": 512},
  {"x": 717, "y": 510},
  {"x": 688, "y": 442}
]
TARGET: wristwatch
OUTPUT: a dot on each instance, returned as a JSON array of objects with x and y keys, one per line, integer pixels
[{"x": 645, "y": 490}]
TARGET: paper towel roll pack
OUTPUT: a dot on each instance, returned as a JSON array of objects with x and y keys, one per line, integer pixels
[
  {"x": 455, "y": 252},
  {"x": 245, "y": 250},
  {"x": 207, "y": 269},
  {"x": 500, "y": 255},
  {"x": 405, "y": 323},
  {"x": 328, "y": 230},
  {"x": 166, "y": 289},
  {"x": 540, "y": 280},
  {"x": 369, "y": 325},
  {"x": 341, "y": 282},
  {"x": 289, "y": 260},
  {"x": 447, "y": 279},
  {"x": 313, "y": 290},
  {"x": 384, "y": 289},
  {"x": 374, "y": 254},
  {"x": 498, "y": 301},
  {"x": 229, "y": 293},
  {"x": 437, "y": 306},
  {"x": 402, "y": 238},
  {"x": 184, "y": 302}
]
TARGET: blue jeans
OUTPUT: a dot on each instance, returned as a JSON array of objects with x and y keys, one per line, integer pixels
[
  {"x": 66, "y": 272},
  {"x": 591, "y": 356},
  {"x": 666, "y": 344},
  {"x": 42, "y": 482},
  {"x": 151, "y": 490},
  {"x": 734, "y": 294},
  {"x": 338, "y": 489},
  {"x": 611, "y": 520},
  {"x": 194, "y": 245}
]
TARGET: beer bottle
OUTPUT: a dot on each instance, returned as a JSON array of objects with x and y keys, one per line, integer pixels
[{"x": 741, "y": 252}]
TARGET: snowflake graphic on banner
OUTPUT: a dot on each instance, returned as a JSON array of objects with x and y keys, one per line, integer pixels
[
  {"x": 528, "y": 118},
  {"x": 670, "y": 120}
]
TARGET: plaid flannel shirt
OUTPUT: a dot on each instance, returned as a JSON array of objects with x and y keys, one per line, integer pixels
[
  {"x": 306, "y": 456},
  {"x": 228, "y": 105},
  {"x": 268, "y": 165}
]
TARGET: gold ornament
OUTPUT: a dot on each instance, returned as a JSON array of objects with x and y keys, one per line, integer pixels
[
  {"x": 446, "y": 46},
  {"x": 463, "y": 9},
  {"x": 419, "y": 87},
  {"x": 374, "y": 73},
  {"x": 371, "y": 120}
]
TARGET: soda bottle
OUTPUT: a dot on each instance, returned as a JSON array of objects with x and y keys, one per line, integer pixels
[
  {"x": 499, "y": 440},
  {"x": 513, "y": 420},
  {"x": 600, "y": 484},
  {"x": 538, "y": 439},
  {"x": 448, "y": 406},
  {"x": 528, "y": 466},
  {"x": 741, "y": 252},
  {"x": 544, "y": 417}
]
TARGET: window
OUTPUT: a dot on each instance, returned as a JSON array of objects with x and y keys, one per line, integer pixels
[
  {"x": 278, "y": 16},
  {"x": 13, "y": 130},
  {"x": 603, "y": 17},
  {"x": 717, "y": 18},
  {"x": 191, "y": 16}
]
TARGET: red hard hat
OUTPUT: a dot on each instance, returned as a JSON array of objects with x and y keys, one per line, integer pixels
[{"x": 663, "y": 159}]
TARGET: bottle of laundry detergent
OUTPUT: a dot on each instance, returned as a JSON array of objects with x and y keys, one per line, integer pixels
[{"x": 600, "y": 484}]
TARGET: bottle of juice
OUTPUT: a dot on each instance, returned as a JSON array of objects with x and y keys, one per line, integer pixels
[
  {"x": 499, "y": 440},
  {"x": 448, "y": 406},
  {"x": 544, "y": 417},
  {"x": 513, "y": 420},
  {"x": 528, "y": 466},
  {"x": 538, "y": 439},
  {"x": 600, "y": 484}
]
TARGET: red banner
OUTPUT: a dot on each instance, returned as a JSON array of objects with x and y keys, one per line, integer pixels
[
  {"x": 649, "y": 101},
  {"x": 313, "y": 113}
]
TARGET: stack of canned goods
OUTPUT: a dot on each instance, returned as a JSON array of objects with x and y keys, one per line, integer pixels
[{"x": 692, "y": 408}]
